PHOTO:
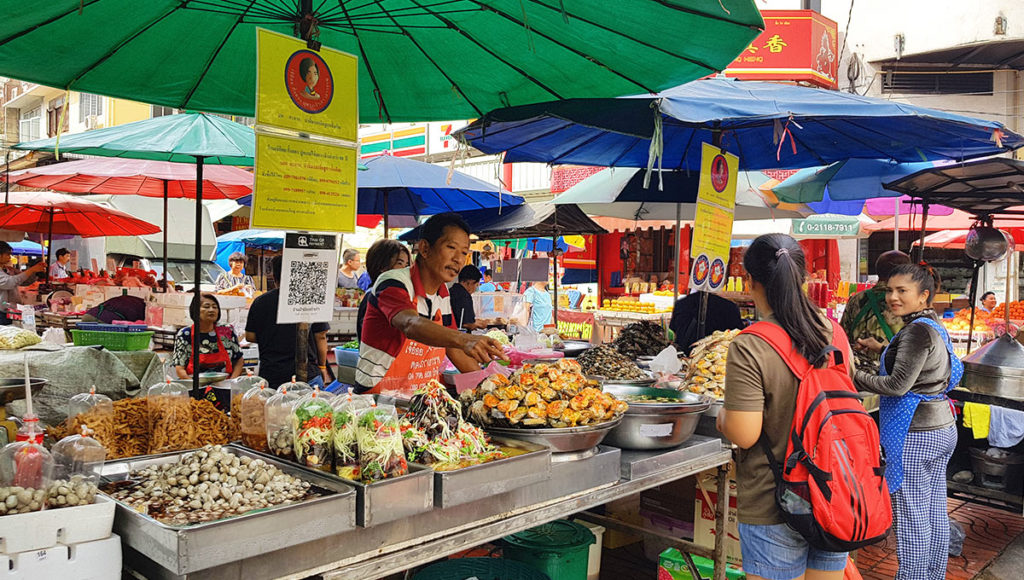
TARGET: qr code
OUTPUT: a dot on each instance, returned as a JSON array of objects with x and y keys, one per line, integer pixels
[{"x": 308, "y": 283}]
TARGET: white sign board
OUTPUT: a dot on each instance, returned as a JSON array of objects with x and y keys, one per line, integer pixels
[{"x": 309, "y": 275}]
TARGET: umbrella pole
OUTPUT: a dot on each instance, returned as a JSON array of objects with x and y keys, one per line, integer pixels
[
  {"x": 49, "y": 247},
  {"x": 973, "y": 299},
  {"x": 896, "y": 230},
  {"x": 675, "y": 260},
  {"x": 554, "y": 264},
  {"x": 165, "y": 235},
  {"x": 924, "y": 225},
  {"x": 7, "y": 179},
  {"x": 197, "y": 265},
  {"x": 385, "y": 214}
]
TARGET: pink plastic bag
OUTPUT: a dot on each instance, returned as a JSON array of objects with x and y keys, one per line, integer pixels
[{"x": 467, "y": 381}]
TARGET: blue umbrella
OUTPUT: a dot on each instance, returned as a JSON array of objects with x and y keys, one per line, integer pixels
[
  {"x": 769, "y": 126},
  {"x": 26, "y": 248},
  {"x": 852, "y": 179},
  {"x": 260, "y": 239}
]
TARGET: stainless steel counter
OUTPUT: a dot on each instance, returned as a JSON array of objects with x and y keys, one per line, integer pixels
[{"x": 368, "y": 553}]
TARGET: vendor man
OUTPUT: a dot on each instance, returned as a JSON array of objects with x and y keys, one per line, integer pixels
[{"x": 409, "y": 327}]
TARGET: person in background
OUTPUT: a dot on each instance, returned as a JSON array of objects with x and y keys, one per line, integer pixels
[
  {"x": 722, "y": 314},
  {"x": 488, "y": 285},
  {"x": 235, "y": 279},
  {"x": 383, "y": 255},
  {"x": 462, "y": 300},
  {"x": 916, "y": 422},
  {"x": 760, "y": 398},
  {"x": 988, "y": 302},
  {"x": 409, "y": 316},
  {"x": 350, "y": 264},
  {"x": 539, "y": 306},
  {"x": 219, "y": 350},
  {"x": 9, "y": 282},
  {"x": 867, "y": 316},
  {"x": 59, "y": 269},
  {"x": 277, "y": 341},
  {"x": 124, "y": 307}
]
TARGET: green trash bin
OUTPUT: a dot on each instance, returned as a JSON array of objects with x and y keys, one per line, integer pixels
[{"x": 560, "y": 549}]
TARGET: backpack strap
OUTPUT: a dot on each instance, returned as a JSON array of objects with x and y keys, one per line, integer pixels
[{"x": 777, "y": 338}]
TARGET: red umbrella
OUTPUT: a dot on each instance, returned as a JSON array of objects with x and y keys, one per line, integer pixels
[
  {"x": 53, "y": 213},
  {"x": 115, "y": 176},
  {"x": 125, "y": 176}
]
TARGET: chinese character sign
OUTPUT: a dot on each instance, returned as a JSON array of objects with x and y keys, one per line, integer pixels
[
  {"x": 796, "y": 45},
  {"x": 712, "y": 224}
]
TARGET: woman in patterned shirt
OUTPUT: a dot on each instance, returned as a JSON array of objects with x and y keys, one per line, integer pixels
[{"x": 218, "y": 347}]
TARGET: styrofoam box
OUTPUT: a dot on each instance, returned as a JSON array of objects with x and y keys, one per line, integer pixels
[
  {"x": 47, "y": 528},
  {"x": 231, "y": 302},
  {"x": 96, "y": 560},
  {"x": 114, "y": 291},
  {"x": 174, "y": 316},
  {"x": 174, "y": 299}
]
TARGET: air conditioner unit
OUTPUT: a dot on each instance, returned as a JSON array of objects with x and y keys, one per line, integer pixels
[{"x": 93, "y": 122}]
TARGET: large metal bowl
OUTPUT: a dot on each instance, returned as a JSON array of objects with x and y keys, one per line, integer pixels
[
  {"x": 657, "y": 425},
  {"x": 565, "y": 440},
  {"x": 14, "y": 389}
]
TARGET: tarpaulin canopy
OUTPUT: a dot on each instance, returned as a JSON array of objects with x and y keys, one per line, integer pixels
[
  {"x": 956, "y": 239},
  {"x": 47, "y": 212},
  {"x": 530, "y": 220},
  {"x": 852, "y": 179},
  {"x": 418, "y": 61},
  {"x": 957, "y": 220},
  {"x": 267, "y": 239},
  {"x": 768, "y": 125},
  {"x": 986, "y": 187}
]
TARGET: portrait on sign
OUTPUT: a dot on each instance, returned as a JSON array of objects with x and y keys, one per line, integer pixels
[{"x": 309, "y": 81}]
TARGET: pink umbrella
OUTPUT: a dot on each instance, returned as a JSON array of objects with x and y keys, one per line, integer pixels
[
  {"x": 956, "y": 239},
  {"x": 956, "y": 220},
  {"x": 124, "y": 176}
]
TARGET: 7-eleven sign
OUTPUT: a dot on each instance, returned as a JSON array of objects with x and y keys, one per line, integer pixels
[{"x": 439, "y": 136}]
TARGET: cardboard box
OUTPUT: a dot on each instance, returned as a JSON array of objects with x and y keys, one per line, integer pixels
[
  {"x": 173, "y": 299},
  {"x": 669, "y": 526},
  {"x": 176, "y": 316},
  {"x": 626, "y": 509},
  {"x": 706, "y": 497},
  {"x": 672, "y": 500},
  {"x": 671, "y": 564}
]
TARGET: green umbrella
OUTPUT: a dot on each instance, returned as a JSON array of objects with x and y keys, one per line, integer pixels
[
  {"x": 419, "y": 60},
  {"x": 191, "y": 138}
]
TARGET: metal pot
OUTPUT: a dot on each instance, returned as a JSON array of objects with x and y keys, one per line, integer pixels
[
  {"x": 563, "y": 440},
  {"x": 656, "y": 425},
  {"x": 996, "y": 369}
]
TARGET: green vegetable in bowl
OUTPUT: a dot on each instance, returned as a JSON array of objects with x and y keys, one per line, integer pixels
[{"x": 351, "y": 345}]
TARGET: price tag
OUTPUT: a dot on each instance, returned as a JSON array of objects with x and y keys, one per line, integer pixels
[{"x": 658, "y": 430}]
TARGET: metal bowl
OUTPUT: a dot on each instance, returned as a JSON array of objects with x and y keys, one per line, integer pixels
[
  {"x": 630, "y": 382},
  {"x": 657, "y": 425},
  {"x": 14, "y": 389},
  {"x": 565, "y": 440},
  {"x": 207, "y": 378},
  {"x": 574, "y": 348}
]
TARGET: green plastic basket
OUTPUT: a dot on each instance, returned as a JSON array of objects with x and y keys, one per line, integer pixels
[
  {"x": 112, "y": 340},
  {"x": 482, "y": 568}
]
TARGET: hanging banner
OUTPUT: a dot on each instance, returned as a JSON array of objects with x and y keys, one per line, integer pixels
[
  {"x": 304, "y": 185},
  {"x": 309, "y": 274},
  {"x": 712, "y": 223},
  {"x": 308, "y": 91},
  {"x": 306, "y": 136}
]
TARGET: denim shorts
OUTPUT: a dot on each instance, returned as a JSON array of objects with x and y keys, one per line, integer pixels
[{"x": 778, "y": 552}]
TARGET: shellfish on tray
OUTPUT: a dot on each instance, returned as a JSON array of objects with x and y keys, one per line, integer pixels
[{"x": 541, "y": 395}]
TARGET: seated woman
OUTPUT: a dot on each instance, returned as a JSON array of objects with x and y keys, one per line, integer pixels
[{"x": 219, "y": 350}]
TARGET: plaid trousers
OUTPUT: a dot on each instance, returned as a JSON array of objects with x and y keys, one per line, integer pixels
[{"x": 919, "y": 506}]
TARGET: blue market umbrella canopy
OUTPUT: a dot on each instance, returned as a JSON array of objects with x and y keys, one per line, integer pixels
[
  {"x": 769, "y": 126},
  {"x": 267, "y": 239},
  {"x": 853, "y": 179}
]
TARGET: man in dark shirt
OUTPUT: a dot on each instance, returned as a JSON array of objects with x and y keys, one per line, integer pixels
[
  {"x": 277, "y": 341},
  {"x": 462, "y": 300},
  {"x": 722, "y": 314}
]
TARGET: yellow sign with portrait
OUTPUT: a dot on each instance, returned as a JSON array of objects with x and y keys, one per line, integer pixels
[
  {"x": 717, "y": 176},
  {"x": 712, "y": 223},
  {"x": 303, "y": 90},
  {"x": 304, "y": 185}
]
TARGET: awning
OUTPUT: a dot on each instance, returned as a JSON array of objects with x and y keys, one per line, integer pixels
[
  {"x": 987, "y": 55},
  {"x": 531, "y": 220},
  {"x": 986, "y": 187}
]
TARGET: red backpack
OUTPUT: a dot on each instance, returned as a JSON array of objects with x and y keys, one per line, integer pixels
[{"x": 831, "y": 487}]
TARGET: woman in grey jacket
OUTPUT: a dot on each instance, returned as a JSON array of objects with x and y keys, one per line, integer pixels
[{"x": 916, "y": 422}]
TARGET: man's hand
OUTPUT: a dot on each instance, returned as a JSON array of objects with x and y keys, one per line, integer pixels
[
  {"x": 483, "y": 349},
  {"x": 39, "y": 267}
]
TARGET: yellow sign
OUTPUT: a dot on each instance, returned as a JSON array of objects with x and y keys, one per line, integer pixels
[
  {"x": 712, "y": 224},
  {"x": 304, "y": 185},
  {"x": 717, "y": 177},
  {"x": 308, "y": 91}
]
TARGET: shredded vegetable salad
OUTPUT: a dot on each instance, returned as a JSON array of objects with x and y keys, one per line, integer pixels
[
  {"x": 381, "y": 455},
  {"x": 313, "y": 423},
  {"x": 435, "y": 433}
]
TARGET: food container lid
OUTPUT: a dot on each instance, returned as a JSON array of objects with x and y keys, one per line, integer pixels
[{"x": 556, "y": 535}]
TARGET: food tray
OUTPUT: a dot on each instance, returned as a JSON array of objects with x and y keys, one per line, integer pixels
[
  {"x": 14, "y": 389},
  {"x": 565, "y": 440},
  {"x": 186, "y": 549},
  {"x": 467, "y": 484},
  {"x": 383, "y": 501},
  {"x": 46, "y": 529},
  {"x": 112, "y": 340}
]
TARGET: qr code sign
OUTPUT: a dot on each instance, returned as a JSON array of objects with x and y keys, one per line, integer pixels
[{"x": 308, "y": 283}]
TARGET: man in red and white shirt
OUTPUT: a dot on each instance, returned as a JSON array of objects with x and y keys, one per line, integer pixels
[{"x": 413, "y": 304}]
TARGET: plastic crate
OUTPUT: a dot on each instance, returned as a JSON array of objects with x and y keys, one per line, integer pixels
[{"x": 112, "y": 340}]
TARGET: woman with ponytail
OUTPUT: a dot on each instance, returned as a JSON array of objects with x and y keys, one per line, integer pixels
[
  {"x": 916, "y": 422},
  {"x": 760, "y": 397}
]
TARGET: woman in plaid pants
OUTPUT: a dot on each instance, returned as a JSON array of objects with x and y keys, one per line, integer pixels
[{"x": 916, "y": 422}]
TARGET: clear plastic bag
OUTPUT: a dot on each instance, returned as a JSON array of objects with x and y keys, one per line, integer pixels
[
  {"x": 297, "y": 388},
  {"x": 381, "y": 452},
  {"x": 240, "y": 386},
  {"x": 100, "y": 404},
  {"x": 13, "y": 338},
  {"x": 77, "y": 464},
  {"x": 252, "y": 415},
  {"x": 169, "y": 410},
  {"x": 957, "y": 535},
  {"x": 313, "y": 426},
  {"x": 278, "y": 419},
  {"x": 346, "y": 448},
  {"x": 24, "y": 477}
]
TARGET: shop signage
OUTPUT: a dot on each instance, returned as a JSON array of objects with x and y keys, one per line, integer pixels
[
  {"x": 306, "y": 136},
  {"x": 826, "y": 227},
  {"x": 401, "y": 140},
  {"x": 712, "y": 224},
  {"x": 576, "y": 325},
  {"x": 309, "y": 274},
  {"x": 796, "y": 45},
  {"x": 439, "y": 137}
]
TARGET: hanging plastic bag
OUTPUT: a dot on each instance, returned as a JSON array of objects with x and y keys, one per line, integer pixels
[
  {"x": 313, "y": 426},
  {"x": 346, "y": 447},
  {"x": 25, "y": 470},
  {"x": 55, "y": 336},
  {"x": 957, "y": 535},
  {"x": 381, "y": 452},
  {"x": 169, "y": 410},
  {"x": 666, "y": 363},
  {"x": 252, "y": 414},
  {"x": 77, "y": 463},
  {"x": 278, "y": 418}
]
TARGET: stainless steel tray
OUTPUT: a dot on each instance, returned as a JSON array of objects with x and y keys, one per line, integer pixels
[
  {"x": 384, "y": 501},
  {"x": 186, "y": 549},
  {"x": 467, "y": 484},
  {"x": 563, "y": 440}
]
